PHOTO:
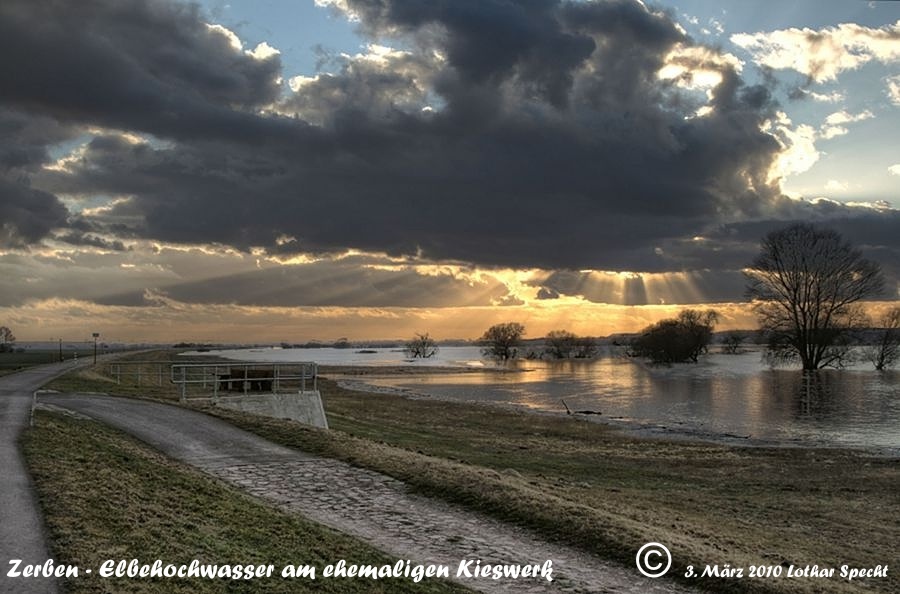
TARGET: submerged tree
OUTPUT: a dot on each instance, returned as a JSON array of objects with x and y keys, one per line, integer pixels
[
  {"x": 885, "y": 351},
  {"x": 678, "y": 340},
  {"x": 804, "y": 286},
  {"x": 422, "y": 346},
  {"x": 500, "y": 341},
  {"x": 585, "y": 347},
  {"x": 732, "y": 342},
  {"x": 562, "y": 344}
]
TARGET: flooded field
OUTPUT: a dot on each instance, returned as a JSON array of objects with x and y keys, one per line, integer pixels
[{"x": 731, "y": 396}]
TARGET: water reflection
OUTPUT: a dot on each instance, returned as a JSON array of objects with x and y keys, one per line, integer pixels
[
  {"x": 732, "y": 395},
  {"x": 814, "y": 394}
]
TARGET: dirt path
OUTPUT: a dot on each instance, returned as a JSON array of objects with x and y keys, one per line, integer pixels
[{"x": 365, "y": 504}]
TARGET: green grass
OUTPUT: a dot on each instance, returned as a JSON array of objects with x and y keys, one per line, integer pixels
[{"x": 107, "y": 496}]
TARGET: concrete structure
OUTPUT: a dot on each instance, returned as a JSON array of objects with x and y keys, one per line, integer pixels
[{"x": 304, "y": 407}]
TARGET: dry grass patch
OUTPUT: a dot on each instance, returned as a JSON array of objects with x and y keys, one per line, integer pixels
[
  {"x": 107, "y": 496},
  {"x": 587, "y": 485}
]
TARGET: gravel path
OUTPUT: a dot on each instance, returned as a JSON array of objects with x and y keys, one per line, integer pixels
[{"x": 365, "y": 504}]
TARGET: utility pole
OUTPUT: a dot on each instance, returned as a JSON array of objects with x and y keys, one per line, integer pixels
[{"x": 96, "y": 336}]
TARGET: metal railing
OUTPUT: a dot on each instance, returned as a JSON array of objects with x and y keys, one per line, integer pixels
[
  {"x": 150, "y": 373},
  {"x": 216, "y": 379}
]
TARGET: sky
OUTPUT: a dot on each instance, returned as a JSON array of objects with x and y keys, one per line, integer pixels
[{"x": 295, "y": 170}]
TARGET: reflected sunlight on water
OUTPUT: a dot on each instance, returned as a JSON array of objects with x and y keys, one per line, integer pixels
[
  {"x": 734, "y": 395},
  {"x": 726, "y": 394}
]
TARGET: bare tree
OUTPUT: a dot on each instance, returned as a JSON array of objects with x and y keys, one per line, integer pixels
[
  {"x": 732, "y": 342},
  {"x": 7, "y": 340},
  {"x": 500, "y": 340},
  {"x": 886, "y": 350},
  {"x": 677, "y": 340},
  {"x": 585, "y": 347},
  {"x": 422, "y": 346},
  {"x": 560, "y": 344},
  {"x": 804, "y": 286}
]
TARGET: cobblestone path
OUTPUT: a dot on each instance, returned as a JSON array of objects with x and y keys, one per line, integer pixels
[
  {"x": 380, "y": 510},
  {"x": 371, "y": 506}
]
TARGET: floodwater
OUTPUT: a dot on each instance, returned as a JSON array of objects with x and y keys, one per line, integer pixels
[{"x": 732, "y": 397}]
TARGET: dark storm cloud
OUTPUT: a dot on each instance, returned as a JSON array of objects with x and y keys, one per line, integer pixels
[
  {"x": 145, "y": 66},
  {"x": 152, "y": 66},
  {"x": 708, "y": 269},
  {"x": 85, "y": 239},
  {"x": 27, "y": 214},
  {"x": 488, "y": 41},
  {"x": 364, "y": 86},
  {"x": 25, "y": 138},
  {"x": 875, "y": 232},
  {"x": 545, "y": 293},
  {"x": 328, "y": 284},
  {"x": 527, "y": 134}
]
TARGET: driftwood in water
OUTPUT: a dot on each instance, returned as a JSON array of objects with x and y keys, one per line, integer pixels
[{"x": 579, "y": 412}]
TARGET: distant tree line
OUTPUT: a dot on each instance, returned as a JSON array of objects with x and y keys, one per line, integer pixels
[{"x": 502, "y": 342}]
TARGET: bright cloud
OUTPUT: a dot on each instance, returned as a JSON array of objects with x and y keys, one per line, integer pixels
[
  {"x": 381, "y": 55},
  {"x": 893, "y": 89},
  {"x": 834, "y": 123},
  {"x": 832, "y": 97},
  {"x": 697, "y": 66},
  {"x": 714, "y": 26},
  {"x": 844, "y": 117},
  {"x": 341, "y": 6},
  {"x": 894, "y": 169},
  {"x": 799, "y": 152},
  {"x": 822, "y": 55},
  {"x": 263, "y": 51},
  {"x": 230, "y": 35},
  {"x": 829, "y": 132},
  {"x": 834, "y": 185}
]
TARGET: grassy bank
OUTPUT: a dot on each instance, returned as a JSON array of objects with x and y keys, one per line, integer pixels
[
  {"x": 107, "y": 496},
  {"x": 587, "y": 485}
]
